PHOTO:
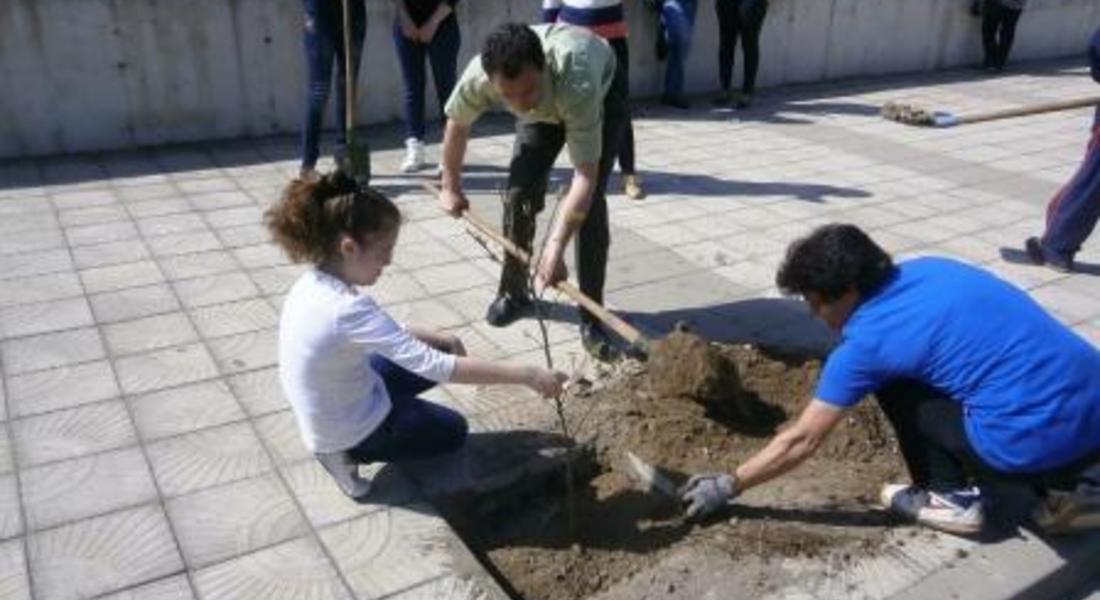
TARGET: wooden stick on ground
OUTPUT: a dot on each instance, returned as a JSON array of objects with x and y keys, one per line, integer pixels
[
  {"x": 619, "y": 326},
  {"x": 913, "y": 115}
]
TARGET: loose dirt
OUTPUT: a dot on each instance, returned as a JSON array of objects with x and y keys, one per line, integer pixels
[{"x": 700, "y": 408}]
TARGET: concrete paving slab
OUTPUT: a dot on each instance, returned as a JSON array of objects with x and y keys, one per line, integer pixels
[
  {"x": 206, "y": 458},
  {"x": 44, "y": 317},
  {"x": 133, "y": 303},
  {"x": 234, "y": 317},
  {"x": 295, "y": 569},
  {"x": 170, "y": 588},
  {"x": 66, "y": 434},
  {"x": 279, "y": 432},
  {"x": 64, "y": 387},
  {"x": 184, "y": 409},
  {"x": 11, "y": 518},
  {"x": 234, "y": 519},
  {"x": 52, "y": 350},
  {"x": 13, "y": 571},
  {"x": 102, "y": 554},
  {"x": 164, "y": 368}
]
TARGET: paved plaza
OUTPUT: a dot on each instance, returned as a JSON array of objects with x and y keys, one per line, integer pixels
[{"x": 146, "y": 450}]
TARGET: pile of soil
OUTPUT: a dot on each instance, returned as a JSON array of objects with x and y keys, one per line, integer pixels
[{"x": 727, "y": 402}]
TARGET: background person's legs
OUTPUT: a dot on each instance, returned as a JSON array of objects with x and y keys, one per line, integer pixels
[
  {"x": 1005, "y": 36},
  {"x": 317, "y": 38},
  {"x": 751, "y": 20}
]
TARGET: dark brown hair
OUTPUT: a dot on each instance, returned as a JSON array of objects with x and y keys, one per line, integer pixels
[
  {"x": 833, "y": 259},
  {"x": 309, "y": 218}
]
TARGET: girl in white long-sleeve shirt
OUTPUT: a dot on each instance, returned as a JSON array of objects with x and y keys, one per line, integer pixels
[{"x": 351, "y": 373}]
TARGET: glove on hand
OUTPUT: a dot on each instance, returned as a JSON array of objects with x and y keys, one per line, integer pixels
[{"x": 706, "y": 493}]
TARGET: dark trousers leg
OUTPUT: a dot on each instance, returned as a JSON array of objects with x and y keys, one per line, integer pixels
[
  {"x": 626, "y": 145},
  {"x": 930, "y": 431},
  {"x": 443, "y": 57},
  {"x": 1073, "y": 213},
  {"x": 727, "y": 41},
  {"x": 317, "y": 41},
  {"x": 536, "y": 148},
  {"x": 751, "y": 18},
  {"x": 415, "y": 428},
  {"x": 410, "y": 57},
  {"x": 991, "y": 21},
  {"x": 1006, "y": 35},
  {"x": 594, "y": 237},
  {"x": 929, "y": 428}
]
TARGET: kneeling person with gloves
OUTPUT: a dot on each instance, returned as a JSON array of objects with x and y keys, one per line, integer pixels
[{"x": 979, "y": 383}]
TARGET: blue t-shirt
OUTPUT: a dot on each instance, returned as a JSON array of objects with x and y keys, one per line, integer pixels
[{"x": 1029, "y": 386}]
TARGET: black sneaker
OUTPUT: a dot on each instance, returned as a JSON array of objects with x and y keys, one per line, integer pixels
[
  {"x": 1041, "y": 256},
  {"x": 507, "y": 309},
  {"x": 597, "y": 342},
  {"x": 675, "y": 102}
]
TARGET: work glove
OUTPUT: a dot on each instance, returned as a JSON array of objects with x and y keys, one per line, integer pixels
[{"x": 706, "y": 493}]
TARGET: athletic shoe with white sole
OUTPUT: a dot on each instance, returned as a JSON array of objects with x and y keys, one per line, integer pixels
[
  {"x": 414, "y": 156},
  {"x": 958, "y": 511},
  {"x": 1069, "y": 512}
]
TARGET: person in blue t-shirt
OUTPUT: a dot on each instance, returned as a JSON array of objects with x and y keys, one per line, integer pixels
[{"x": 978, "y": 381}]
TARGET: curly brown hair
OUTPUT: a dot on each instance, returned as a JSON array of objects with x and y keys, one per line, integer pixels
[{"x": 310, "y": 217}]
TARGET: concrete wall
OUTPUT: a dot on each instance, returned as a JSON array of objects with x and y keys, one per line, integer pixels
[{"x": 96, "y": 74}]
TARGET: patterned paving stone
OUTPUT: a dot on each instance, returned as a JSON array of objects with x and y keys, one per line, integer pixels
[
  {"x": 171, "y": 224},
  {"x": 278, "y": 279},
  {"x": 206, "y": 458},
  {"x": 262, "y": 255},
  {"x": 111, "y": 253},
  {"x": 71, "y": 433},
  {"x": 51, "y": 350},
  {"x": 245, "y": 352},
  {"x": 397, "y": 550},
  {"x": 66, "y": 491},
  {"x": 43, "y": 317},
  {"x": 234, "y": 317},
  {"x": 133, "y": 303},
  {"x": 40, "y": 288},
  {"x": 220, "y": 199},
  {"x": 13, "y": 571},
  {"x": 101, "y": 234},
  {"x": 185, "y": 409},
  {"x": 103, "y": 554},
  {"x": 241, "y": 236},
  {"x": 164, "y": 368},
  {"x": 11, "y": 519},
  {"x": 291, "y": 571},
  {"x": 64, "y": 387},
  {"x": 32, "y": 240},
  {"x": 216, "y": 289},
  {"x": 199, "y": 264},
  {"x": 324, "y": 503},
  {"x": 15, "y": 266},
  {"x": 234, "y": 519},
  {"x": 171, "y": 588},
  {"x": 259, "y": 391},
  {"x": 183, "y": 243},
  {"x": 116, "y": 277},
  {"x": 149, "y": 333},
  {"x": 7, "y": 461},
  {"x": 91, "y": 215},
  {"x": 279, "y": 432}
]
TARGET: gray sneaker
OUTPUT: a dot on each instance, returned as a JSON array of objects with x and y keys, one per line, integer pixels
[
  {"x": 345, "y": 472},
  {"x": 1070, "y": 512}
]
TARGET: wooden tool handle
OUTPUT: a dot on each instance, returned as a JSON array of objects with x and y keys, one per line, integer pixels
[
  {"x": 621, "y": 327},
  {"x": 349, "y": 85},
  {"x": 1033, "y": 109}
]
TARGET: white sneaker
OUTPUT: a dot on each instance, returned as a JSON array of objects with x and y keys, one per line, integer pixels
[
  {"x": 345, "y": 472},
  {"x": 1070, "y": 512},
  {"x": 959, "y": 512},
  {"x": 414, "y": 156}
]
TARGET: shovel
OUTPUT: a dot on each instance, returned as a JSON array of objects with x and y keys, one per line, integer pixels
[
  {"x": 639, "y": 344},
  {"x": 651, "y": 478},
  {"x": 914, "y": 115},
  {"x": 356, "y": 161}
]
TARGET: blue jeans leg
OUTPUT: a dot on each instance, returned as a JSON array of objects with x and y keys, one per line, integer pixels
[
  {"x": 678, "y": 17},
  {"x": 323, "y": 41},
  {"x": 443, "y": 56},
  {"x": 415, "y": 428},
  {"x": 410, "y": 56}
]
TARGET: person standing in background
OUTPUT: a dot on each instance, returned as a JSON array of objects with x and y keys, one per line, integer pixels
[
  {"x": 425, "y": 30},
  {"x": 999, "y": 18},
  {"x": 606, "y": 19},
  {"x": 324, "y": 47},
  {"x": 1074, "y": 211},
  {"x": 675, "y": 30},
  {"x": 739, "y": 19}
]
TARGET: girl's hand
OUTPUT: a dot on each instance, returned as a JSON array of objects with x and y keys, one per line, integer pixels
[
  {"x": 409, "y": 30},
  {"x": 455, "y": 346},
  {"x": 547, "y": 383},
  {"x": 427, "y": 31}
]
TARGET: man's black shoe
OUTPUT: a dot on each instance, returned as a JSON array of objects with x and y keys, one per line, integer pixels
[
  {"x": 597, "y": 342},
  {"x": 506, "y": 310}
]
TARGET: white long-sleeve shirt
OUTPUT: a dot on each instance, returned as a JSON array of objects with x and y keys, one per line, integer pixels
[{"x": 327, "y": 333}]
